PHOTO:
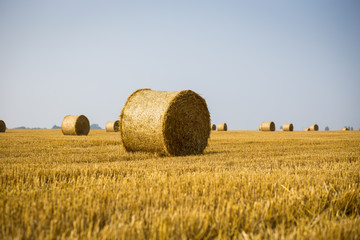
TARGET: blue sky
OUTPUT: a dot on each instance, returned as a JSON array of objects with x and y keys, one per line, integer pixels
[{"x": 252, "y": 61}]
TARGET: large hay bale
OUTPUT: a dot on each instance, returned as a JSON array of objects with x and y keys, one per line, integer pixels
[
  {"x": 213, "y": 127},
  {"x": 75, "y": 125},
  {"x": 314, "y": 127},
  {"x": 345, "y": 129},
  {"x": 112, "y": 126},
  {"x": 222, "y": 127},
  {"x": 173, "y": 123},
  {"x": 2, "y": 126},
  {"x": 267, "y": 126},
  {"x": 307, "y": 129},
  {"x": 288, "y": 127}
]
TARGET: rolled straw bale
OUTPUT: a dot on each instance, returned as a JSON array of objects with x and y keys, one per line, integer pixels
[
  {"x": 314, "y": 127},
  {"x": 112, "y": 126},
  {"x": 307, "y": 129},
  {"x": 288, "y": 127},
  {"x": 75, "y": 125},
  {"x": 173, "y": 123},
  {"x": 222, "y": 127},
  {"x": 267, "y": 126},
  {"x": 2, "y": 126},
  {"x": 213, "y": 127},
  {"x": 344, "y": 129}
]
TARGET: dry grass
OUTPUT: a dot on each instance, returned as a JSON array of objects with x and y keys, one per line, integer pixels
[
  {"x": 247, "y": 185},
  {"x": 172, "y": 123}
]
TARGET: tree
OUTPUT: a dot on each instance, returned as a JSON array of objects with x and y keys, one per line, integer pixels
[
  {"x": 95, "y": 126},
  {"x": 327, "y": 128}
]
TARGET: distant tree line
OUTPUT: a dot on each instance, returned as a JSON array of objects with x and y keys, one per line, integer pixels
[
  {"x": 23, "y": 127},
  {"x": 93, "y": 126}
]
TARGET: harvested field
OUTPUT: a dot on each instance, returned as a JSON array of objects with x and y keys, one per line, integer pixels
[{"x": 247, "y": 183}]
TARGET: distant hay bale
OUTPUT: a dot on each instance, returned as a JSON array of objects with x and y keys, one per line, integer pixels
[
  {"x": 213, "y": 127},
  {"x": 75, "y": 125},
  {"x": 307, "y": 129},
  {"x": 173, "y": 123},
  {"x": 2, "y": 126},
  {"x": 288, "y": 127},
  {"x": 222, "y": 127},
  {"x": 314, "y": 127},
  {"x": 112, "y": 126},
  {"x": 267, "y": 126},
  {"x": 344, "y": 129}
]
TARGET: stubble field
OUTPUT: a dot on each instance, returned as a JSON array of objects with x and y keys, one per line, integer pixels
[{"x": 247, "y": 185}]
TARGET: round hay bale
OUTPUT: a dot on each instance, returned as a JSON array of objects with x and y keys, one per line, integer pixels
[
  {"x": 75, "y": 125},
  {"x": 213, "y": 127},
  {"x": 307, "y": 129},
  {"x": 344, "y": 129},
  {"x": 173, "y": 123},
  {"x": 222, "y": 127},
  {"x": 267, "y": 126},
  {"x": 2, "y": 126},
  {"x": 112, "y": 126},
  {"x": 314, "y": 127},
  {"x": 288, "y": 127}
]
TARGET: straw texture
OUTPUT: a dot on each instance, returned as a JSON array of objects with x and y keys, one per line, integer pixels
[
  {"x": 314, "y": 127},
  {"x": 2, "y": 126},
  {"x": 307, "y": 129},
  {"x": 288, "y": 127},
  {"x": 75, "y": 125},
  {"x": 112, "y": 126},
  {"x": 172, "y": 123},
  {"x": 267, "y": 126},
  {"x": 213, "y": 127},
  {"x": 222, "y": 127}
]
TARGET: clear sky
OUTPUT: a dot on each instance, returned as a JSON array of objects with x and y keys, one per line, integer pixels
[{"x": 252, "y": 61}]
